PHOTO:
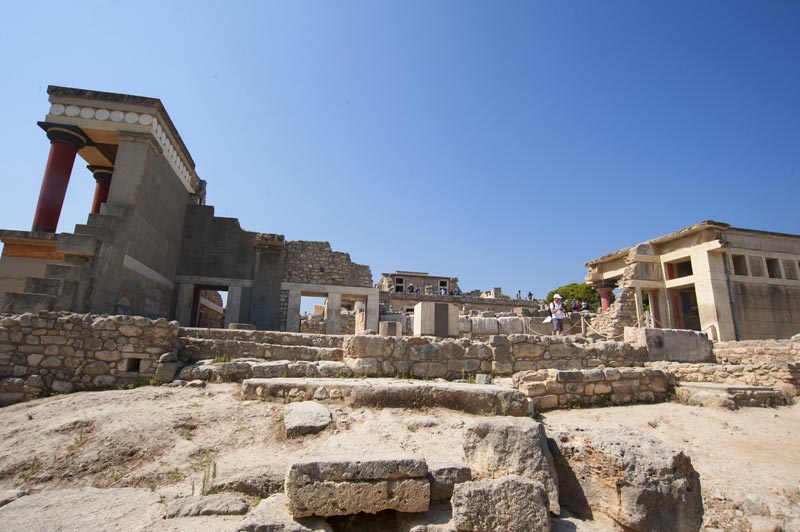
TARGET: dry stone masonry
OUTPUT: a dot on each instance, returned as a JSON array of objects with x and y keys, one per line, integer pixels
[{"x": 62, "y": 352}]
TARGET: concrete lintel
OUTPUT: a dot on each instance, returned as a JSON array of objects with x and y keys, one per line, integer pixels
[
  {"x": 324, "y": 289},
  {"x": 213, "y": 281}
]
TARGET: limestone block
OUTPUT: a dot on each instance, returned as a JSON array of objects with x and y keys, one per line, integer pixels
[
  {"x": 219, "y": 504},
  {"x": 484, "y": 326},
  {"x": 443, "y": 477},
  {"x": 655, "y": 487},
  {"x": 510, "y": 325},
  {"x": 258, "y": 481},
  {"x": 368, "y": 346},
  {"x": 305, "y": 417},
  {"x": 464, "y": 325},
  {"x": 528, "y": 350},
  {"x": 507, "y": 504},
  {"x": 166, "y": 372},
  {"x": 512, "y": 446},
  {"x": 272, "y": 515},
  {"x": 345, "y": 486}
]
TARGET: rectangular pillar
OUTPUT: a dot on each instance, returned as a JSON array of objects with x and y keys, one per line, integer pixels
[
  {"x": 183, "y": 310},
  {"x": 234, "y": 306},
  {"x": 293, "y": 311},
  {"x": 333, "y": 314},
  {"x": 372, "y": 311}
]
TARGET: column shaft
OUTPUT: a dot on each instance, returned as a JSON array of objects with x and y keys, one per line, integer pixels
[{"x": 54, "y": 186}]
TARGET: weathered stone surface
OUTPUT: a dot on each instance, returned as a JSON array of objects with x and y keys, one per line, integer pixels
[
  {"x": 330, "y": 487},
  {"x": 83, "y": 509},
  {"x": 443, "y": 477},
  {"x": 165, "y": 372},
  {"x": 391, "y": 393},
  {"x": 260, "y": 481},
  {"x": 219, "y": 504},
  {"x": 636, "y": 480},
  {"x": 7, "y": 496},
  {"x": 498, "y": 447},
  {"x": 506, "y": 504},
  {"x": 271, "y": 515},
  {"x": 306, "y": 417}
]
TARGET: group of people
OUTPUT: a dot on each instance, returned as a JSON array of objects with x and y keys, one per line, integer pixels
[
  {"x": 559, "y": 310},
  {"x": 443, "y": 291},
  {"x": 519, "y": 295}
]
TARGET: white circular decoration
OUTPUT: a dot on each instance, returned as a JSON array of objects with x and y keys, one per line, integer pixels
[
  {"x": 117, "y": 116},
  {"x": 101, "y": 114},
  {"x": 57, "y": 109},
  {"x": 87, "y": 112},
  {"x": 131, "y": 117},
  {"x": 72, "y": 110},
  {"x": 146, "y": 120}
]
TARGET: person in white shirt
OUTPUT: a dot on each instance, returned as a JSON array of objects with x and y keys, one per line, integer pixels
[{"x": 557, "y": 312}]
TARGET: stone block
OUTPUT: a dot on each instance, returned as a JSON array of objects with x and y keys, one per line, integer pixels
[
  {"x": 271, "y": 515},
  {"x": 512, "y": 446},
  {"x": 306, "y": 417},
  {"x": 444, "y": 477},
  {"x": 329, "y": 487},
  {"x": 655, "y": 486},
  {"x": 507, "y": 504}
]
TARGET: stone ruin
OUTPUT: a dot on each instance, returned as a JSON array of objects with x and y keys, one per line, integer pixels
[{"x": 131, "y": 298}]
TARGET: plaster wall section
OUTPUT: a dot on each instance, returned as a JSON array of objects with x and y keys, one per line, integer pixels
[{"x": 134, "y": 269}]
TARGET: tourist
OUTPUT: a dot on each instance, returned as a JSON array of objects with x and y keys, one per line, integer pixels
[
  {"x": 557, "y": 311},
  {"x": 576, "y": 306},
  {"x": 519, "y": 294},
  {"x": 585, "y": 305},
  {"x": 410, "y": 288},
  {"x": 530, "y": 295}
]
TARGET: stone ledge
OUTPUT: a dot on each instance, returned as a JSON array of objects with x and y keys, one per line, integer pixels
[{"x": 391, "y": 393}]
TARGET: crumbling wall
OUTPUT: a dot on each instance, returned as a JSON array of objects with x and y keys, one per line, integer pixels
[
  {"x": 782, "y": 376},
  {"x": 758, "y": 351},
  {"x": 622, "y": 312},
  {"x": 315, "y": 263},
  {"x": 553, "y": 388},
  {"x": 63, "y": 352}
]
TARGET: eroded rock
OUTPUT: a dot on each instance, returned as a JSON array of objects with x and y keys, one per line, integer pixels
[
  {"x": 497, "y": 447},
  {"x": 271, "y": 515},
  {"x": 638, "y": 481},
  {"x": 219, "y": 504},
  {"x": 507, "y": 504},
  {"x": 306, "y": 417}
]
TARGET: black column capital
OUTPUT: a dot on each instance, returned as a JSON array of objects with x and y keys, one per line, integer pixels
[
  {"x": 66, "y": 133},
  {"x": 102, "y": 174}
]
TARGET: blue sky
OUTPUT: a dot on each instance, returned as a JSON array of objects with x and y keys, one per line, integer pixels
[{"x": 505, "y": 143}]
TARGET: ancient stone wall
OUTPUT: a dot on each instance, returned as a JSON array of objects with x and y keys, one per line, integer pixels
[
  {"x": 553, "y": 388},
  {"x": 483, "y": 326},
  {"x": 315, "y": 263},
  {"x": 62, "y": 352},
  {"x": 758, "y": 351},
  {"x": 782, "y": 376},
  {"x": 431, "y": 357}
]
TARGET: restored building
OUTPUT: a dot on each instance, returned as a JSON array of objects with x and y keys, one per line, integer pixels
[
  {"x": 151, "y": 246},
  {"x": 730, "y": 282}
]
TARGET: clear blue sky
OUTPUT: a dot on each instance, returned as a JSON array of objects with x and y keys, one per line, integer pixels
[{"x": 505, "y": 143}]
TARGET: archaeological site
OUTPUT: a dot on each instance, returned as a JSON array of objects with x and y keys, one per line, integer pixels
[{"x": 157, "y": 373}]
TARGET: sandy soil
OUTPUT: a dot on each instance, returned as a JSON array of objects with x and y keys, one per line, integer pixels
[{"x": 164, "y": 439}]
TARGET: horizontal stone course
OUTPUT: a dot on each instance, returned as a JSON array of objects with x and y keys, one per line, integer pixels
[
  {"x": 553, "y": 388},
  {"x": 391, "y": 393}
]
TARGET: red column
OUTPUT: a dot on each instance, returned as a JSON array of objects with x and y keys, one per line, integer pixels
[
  {"x": 65, "y": 142},
  {"x": 102, "y": 175},
  {"x": 605, "y": 296}
]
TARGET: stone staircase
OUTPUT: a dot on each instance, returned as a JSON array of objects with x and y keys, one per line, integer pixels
[
  {"x": 67, "y": 286},
  {"x": 224, "y": 345}
]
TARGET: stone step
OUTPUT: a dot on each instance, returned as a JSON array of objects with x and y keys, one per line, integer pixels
[
  {"x": 44, "y": 285},
  {"x": 194, "y": 349},
  {"x": 99, "y": 232},
  {"x": 19, "y": 302},
  {"x": 731, "y": 396},
  {"x": 246, "y": 368},
  {"x": 64, "y": 271},
  {"x": 72, "y": 244},
  {"x": 392, "y": 393},
  {"x": 264, "y": 337}
]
